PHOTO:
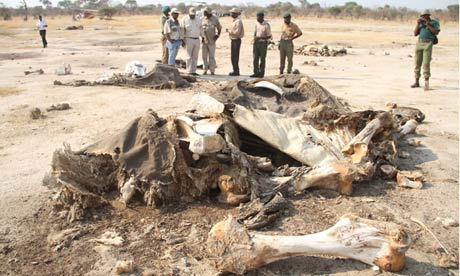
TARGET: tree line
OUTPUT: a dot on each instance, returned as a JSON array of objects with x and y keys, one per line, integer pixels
[{"x": 350, "y": 10}]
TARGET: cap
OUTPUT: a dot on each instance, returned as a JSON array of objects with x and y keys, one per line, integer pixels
[
  {"x": 426, "y": 12},
  {"x": 260, "y": 13},
  {"x": 286, "y": 15},
  {"x": 235, "y": 10},
  {"x": 165, "y": 9},
  {"x": 192, "y": 11},
  {"x": 207, "y": 9},
  {"x": 175, "y": 10}
]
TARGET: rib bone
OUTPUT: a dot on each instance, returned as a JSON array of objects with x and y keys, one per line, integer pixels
[{"x": 376, "y": 243}]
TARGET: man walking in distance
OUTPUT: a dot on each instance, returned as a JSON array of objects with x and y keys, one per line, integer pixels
[
  {"x": 42, "y": 25},
  {"x": 191, "y": 34},
  {"x": 262, "y": 34},
  {"x": 426, "y": 30},
  {"x": 173, "y": 36},
  {"x": 236, "y": 33},
  {"x": 289, "y": 32},
  {"x": 210, "y": 32},
  {"x": 165, "y": 10}
]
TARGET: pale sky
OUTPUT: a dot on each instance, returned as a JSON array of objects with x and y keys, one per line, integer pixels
[{"x": 413, "y": 4}]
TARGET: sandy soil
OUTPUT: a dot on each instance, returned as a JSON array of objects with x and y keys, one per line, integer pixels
[{"x": 366, "y": 77}]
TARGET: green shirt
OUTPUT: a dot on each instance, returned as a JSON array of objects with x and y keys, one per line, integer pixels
[{"x": 425, "y": 32}]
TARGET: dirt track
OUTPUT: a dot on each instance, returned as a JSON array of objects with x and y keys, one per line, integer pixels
[{"x": 365, "y": 77}]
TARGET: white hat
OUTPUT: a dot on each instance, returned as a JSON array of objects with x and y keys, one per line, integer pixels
[
  {"x": 235, "y": 10},
  {"x": 192, "y": 11},
  {"x": 175, "y": 10}
]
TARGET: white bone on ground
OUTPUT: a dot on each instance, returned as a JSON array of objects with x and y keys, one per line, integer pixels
[
  {"x": 405, "y": 182},
  {"x": 271, "y": 86},
  {"x": 128, "y": 190},
  {"x": 110, "y": 238},
  {"x": 135, "y": 68},
  {"x": 409, "y": 127},
  {"x": 348, "y": 238}
]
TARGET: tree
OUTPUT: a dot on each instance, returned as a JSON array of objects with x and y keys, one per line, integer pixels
[
  {"x": 66, "y": 4},
  {"x": 131, "y": 5},
  {"x": 334, "y": 11},
  {"x": 26, "y": 10},
  {"x": 47, "y": 3},
  {"x": 181, "y": 7},
  {"x": 107, "y": 12},
  {"x": 5, "y": 12},
  {"x": 453, "y": 11}
]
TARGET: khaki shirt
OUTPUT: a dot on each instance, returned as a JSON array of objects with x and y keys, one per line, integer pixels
[
  {"x": 263, "y": 30},
  {"x": 172, "y": 27},
  {"x": 289, "y": 31},
  {"x": 209, "y": 27},
  {"x": 237, "y": 30},
  {"x": 191, "y": 27},
  {"x": 163, "y": 20}
]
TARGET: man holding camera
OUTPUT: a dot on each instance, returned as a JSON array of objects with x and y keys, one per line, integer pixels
[{"x": 426, "y": 30}]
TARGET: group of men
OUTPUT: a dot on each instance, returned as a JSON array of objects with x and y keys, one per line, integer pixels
[
  {"x": 192, "y": 29},
  {"x": 195, "y": 30}
]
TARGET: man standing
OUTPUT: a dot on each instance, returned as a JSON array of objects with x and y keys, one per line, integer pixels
[
  {"x": 173, "y": 36},
  {"x": 165, "y": 10},
  {"x": 426, "y": 30},
  {"x": 262, "y": 34},
  {"x": 191, "y": 34},
  {"x": 289, "y": 32},
  {"x": 236, "y": 33},
  {"x": 42, "y": 25},
  {"x": 210, "y": 32}
]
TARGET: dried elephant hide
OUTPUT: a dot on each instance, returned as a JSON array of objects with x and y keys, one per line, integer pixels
[
  {"x": 250, "y": 141},
  {"x": 161, "y": 77},
  {"x": 158, "y": 161}
]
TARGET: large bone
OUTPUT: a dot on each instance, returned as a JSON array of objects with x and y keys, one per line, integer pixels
[
  {"x": 375, "y": 243},
  {"x": 357, "y": 148}
]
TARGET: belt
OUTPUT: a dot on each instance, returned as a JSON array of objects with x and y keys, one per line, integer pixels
[
  {"x": 193, "y": 37},
  {"x": 425, "y": 40}
]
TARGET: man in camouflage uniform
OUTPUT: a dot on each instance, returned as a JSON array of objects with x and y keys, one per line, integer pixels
[
  {"x": 289, "y": 32},
  {"x": 262, "y": 34},
  {"x": 210, "y": 32},
  {"x": 165, "y": 10},
  {"x": 426, "y": 30}
]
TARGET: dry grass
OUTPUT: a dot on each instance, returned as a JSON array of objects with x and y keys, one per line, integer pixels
[{"x": 8, "y": 91}]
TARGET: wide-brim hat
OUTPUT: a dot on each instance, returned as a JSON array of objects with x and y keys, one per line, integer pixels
[
  {"x": 426, "y": 12},
  {"x": 192, "y": 11},
  {"x": 235, "y": 10},
  {"x": 207, "y": 9},
  {"x": 175, "y": 10}
]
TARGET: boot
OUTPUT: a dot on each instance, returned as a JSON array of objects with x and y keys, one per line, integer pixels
[
  {"x": 427, "y": 84},
  {"x": 416, "y": 84}
]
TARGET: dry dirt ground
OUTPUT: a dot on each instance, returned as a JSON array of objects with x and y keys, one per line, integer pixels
[{"x": 169, "y": 241}]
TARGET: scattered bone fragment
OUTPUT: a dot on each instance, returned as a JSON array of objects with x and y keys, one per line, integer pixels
[
  {"x": 128, "y": 190},
  {"x": 411, "y": 180},
  {"x": 64, "y": 238},
  {"x": 58, "y": 107},
  {"x": 230, "y": 192},
  {"x": 403, "y": 154},
  {"x": 375, "y": 243},
  {"x": 124, "y": 267},
  {"x": 38, "y": 72},
  {"x": 447, "y": 222},
  {"x": 413, "y": 142},
  {"x": 389, "y": 170},
  {"x": 110, "y": 238},
  {"x": 409, "y": 127},
  {"x": 36, "y": 113},
  {"x": 65, "y": 69}
]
